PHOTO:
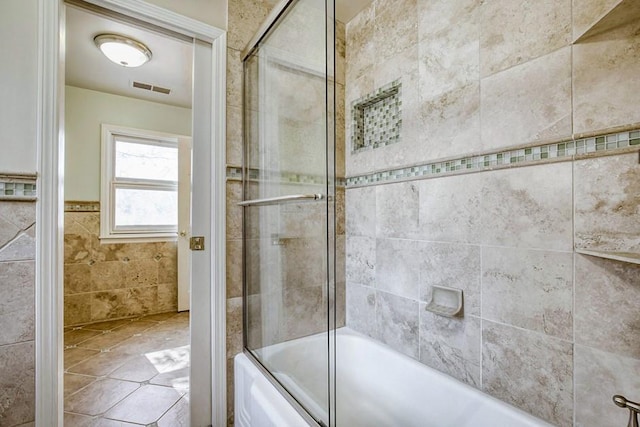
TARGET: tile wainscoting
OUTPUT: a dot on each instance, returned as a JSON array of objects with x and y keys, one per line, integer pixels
[
  {"x": 17, "y": 311},
  {"x": 113, "y": 281}
]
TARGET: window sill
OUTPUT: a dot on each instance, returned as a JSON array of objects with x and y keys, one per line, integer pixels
[{"x": 138, "y": 238}]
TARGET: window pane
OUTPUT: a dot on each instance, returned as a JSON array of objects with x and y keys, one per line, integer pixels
[
  {"x": 146, "y": 207},
  {"x": 146, "y": 161}
]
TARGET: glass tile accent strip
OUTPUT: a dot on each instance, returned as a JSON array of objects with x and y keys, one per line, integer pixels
[
  {"x": 564, "y": 149},
  {"x": 235, "y": 173},
  {"x": 17, "y": 189}
]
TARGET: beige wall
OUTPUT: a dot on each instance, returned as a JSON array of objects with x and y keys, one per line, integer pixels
[
  {"x": 18, "y": 91},
  {"x": 544, "y": 328},
  {"x": 85, "y": 111},
  {"x": 18, "y": 88}
]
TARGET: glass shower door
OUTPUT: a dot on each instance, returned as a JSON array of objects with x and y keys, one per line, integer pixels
[{"x": 289, "y": 214}]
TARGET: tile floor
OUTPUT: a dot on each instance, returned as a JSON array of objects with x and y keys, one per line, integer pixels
[{"x": 128, "y": 372}]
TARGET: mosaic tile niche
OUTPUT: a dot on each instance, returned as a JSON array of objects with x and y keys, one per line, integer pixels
[
  {"x": 113, "y": 281},
  {"x": 377, "y": 118}
]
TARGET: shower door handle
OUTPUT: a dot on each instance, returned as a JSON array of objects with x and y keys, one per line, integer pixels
[{"x": 282, "y": 199}]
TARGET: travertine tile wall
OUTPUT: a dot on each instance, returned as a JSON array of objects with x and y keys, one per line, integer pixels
[
  {"x": 17, "y": 313},
  {"x": 114, "y": 281},
  {"x": 245, "y": 16},
  {"x": 544, "y": 328}
]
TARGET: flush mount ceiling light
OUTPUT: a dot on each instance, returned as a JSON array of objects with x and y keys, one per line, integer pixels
[{"x": 122, "y": 50}]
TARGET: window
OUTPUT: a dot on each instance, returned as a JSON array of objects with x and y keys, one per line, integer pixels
[{"x": 139, "y": 197}]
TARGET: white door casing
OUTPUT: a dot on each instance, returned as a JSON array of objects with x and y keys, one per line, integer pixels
[{"x": 208, "y": 398}]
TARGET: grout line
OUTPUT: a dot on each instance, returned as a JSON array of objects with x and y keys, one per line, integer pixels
[
  {"x": 573, "y": 300},
  {"x": 520, "y": 328},
  {"x": 481, "y": 318}
]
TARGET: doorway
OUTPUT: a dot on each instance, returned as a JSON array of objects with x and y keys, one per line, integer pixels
[
  {"x": 207, "y": 308},
  {"x": 126, "y": 224}
]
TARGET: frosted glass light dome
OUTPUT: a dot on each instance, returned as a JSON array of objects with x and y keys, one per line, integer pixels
[{"x": 123, "y": 50}]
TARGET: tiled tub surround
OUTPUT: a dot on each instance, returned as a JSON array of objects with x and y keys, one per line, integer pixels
[
  {"x": 529, "y": 332},
  {"x": 112, "y": 281},
  {"x": 17, "y": 312},
  {"x": 503, "y": 92}
]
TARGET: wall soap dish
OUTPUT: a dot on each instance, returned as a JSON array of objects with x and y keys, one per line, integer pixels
[{"x": 445, "y": 301}]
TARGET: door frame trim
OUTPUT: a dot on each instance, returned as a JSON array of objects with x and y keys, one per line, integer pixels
[{"x": 50, "y": 206}]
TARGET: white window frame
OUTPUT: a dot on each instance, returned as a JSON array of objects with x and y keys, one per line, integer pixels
[{"x": 109, "y": 233}]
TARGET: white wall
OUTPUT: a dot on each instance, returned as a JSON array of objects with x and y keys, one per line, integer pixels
[
  {"x": 212, "y": 12},
  {"x": 85, "y": 111},
  {"x": 18, "y": 85}
]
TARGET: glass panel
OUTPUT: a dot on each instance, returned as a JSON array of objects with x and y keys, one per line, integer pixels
[
  {"x": 137, "y": 207},
  {"x": 289, "y": 247},
  {"x": 146, "y": 161}
]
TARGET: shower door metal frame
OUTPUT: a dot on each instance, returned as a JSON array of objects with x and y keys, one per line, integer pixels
[{"x": 321, "y": 70}]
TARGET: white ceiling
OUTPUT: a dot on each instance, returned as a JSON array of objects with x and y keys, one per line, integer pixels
[
  {"x": 170, "y": 67},
  {"x": 86, "y": 67}
]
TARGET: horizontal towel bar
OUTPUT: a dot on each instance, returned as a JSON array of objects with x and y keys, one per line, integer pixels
[{"x": 282, "y": 199}]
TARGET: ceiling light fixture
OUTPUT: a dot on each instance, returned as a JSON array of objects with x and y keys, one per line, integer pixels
[{"x": 123, "y": 50}]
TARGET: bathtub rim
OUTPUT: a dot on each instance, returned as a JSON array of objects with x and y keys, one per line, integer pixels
[
  {"x": 282, "y": 390},
  {"x": 348, "y": 332}
]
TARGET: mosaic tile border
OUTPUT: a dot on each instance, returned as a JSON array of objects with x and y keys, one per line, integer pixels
[
  {"x": 235, "y": 173},
  {"x": 518, "y": 157},
  {"x": 81, "y": 206},
  {"x": 18, "y": 187},
  {"x": 382, "y": 125}
]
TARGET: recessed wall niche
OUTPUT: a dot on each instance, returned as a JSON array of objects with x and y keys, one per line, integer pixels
[{"x": 377, "y": 118}]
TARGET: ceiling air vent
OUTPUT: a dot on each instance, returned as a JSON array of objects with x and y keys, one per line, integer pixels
[{"x": 152, "y": 88}]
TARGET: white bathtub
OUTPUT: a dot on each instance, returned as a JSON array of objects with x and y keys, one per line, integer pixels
[{"x": 376, "y": 387}]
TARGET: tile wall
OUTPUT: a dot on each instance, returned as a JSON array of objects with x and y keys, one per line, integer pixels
[
  {"x": 546, "y": 329},
  {"x": 17, "y": 312},
  {"x": 114, "y": 281},
  {"x": 244, "y": 18}
]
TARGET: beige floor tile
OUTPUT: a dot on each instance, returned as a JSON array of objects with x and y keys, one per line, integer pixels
[
  {"x": 99, "y": 397},
  {"x": 178, "y": 379},
  {"x": 106, "y": 340},
  {"x": 143, "y": 344},
  {"x": 75, "y": 420},
  {"x": 73, "y": 383},
  {"x": 145, "y": 405},
  {"x": 73, "y": 356},
  {"x": 159, "y": 317},
  {"x": 152, "y": 349},
  {"x": 110, "y": 324},
  {"x": 177, "y": 416},
  {"x": 76, "y": 336},
  {"x": 136, "y": 327},
  {"x": 138, "y": 369},
  {"x": 104, "y": 422},
  {"x": 182, "y": 317},
  {"x": 101, "y": 364}
]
